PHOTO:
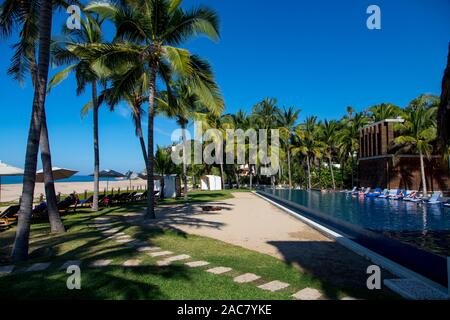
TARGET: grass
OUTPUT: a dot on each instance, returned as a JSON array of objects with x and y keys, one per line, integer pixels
[{"x": 83, "y": 242}]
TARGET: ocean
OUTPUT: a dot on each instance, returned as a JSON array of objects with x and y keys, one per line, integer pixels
[{"x": 76, "y": 178}]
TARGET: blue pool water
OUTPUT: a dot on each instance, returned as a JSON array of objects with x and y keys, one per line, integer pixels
[{"x": 422, "y": 225}]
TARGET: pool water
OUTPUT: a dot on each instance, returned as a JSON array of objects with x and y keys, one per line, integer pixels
[{"x": 423, "y": 225}]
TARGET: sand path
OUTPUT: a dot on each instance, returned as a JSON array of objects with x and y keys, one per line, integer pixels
[{"x": 251, "y": 222}]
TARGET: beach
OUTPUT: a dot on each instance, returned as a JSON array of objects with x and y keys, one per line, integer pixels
[{"x": 12, "y": 192}]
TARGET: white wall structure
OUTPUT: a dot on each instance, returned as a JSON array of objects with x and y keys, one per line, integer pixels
[
  {"x": 210, "y": 182},
  {"x": 170, "y": 189}
]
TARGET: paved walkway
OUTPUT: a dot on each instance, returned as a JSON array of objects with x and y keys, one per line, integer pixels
[{"x": 253, "y": 223}]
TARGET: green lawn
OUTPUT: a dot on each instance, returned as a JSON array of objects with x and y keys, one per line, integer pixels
[{"x": 148, "y": 281}]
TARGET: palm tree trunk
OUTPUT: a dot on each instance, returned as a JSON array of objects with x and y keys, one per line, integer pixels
[
  {"x": 422, "y": 171},
  {"x": 309, "y": 172},
  {"x": 151, "y": 115},
  {"x": 222, "y": 177},
  {"x": 251, "y": 177},
  {"x": 96, "y": 148},
  {"x": 141, "y": 141},
  {"x": 332, "y": 173},
  {"x": 56, "y": 225},
  {"x": 183, "y": 130},
  {"x": 20, "y": 248},
  {"x": 161, "y": 193},
  {"x": 289, "y": 167},
  {"x": 54, "y": 218}
]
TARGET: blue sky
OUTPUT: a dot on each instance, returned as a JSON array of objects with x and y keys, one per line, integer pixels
[{"x": 316, "y": 55}]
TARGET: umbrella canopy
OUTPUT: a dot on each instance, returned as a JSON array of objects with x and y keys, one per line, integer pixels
[
  {"x": 7, "y": 170},
  {"x": 109, "y": 174},
  {"x": 58, "y": 174},
  {"x": 131, "y": 175}
]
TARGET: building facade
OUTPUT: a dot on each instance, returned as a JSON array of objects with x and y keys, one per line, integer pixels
[{"x": 379, "y": 167}]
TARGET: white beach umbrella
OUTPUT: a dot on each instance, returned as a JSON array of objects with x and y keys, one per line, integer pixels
[
  {"x": 7, "y": 170},
  {"x": 58, "y": 174}
]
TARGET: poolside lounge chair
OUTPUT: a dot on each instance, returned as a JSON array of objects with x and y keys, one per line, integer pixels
[
  {"x": 447, "y": 204},
  {"x": 384, "y": 193},
  {"x": 67, "y": 203},
  {"x": 86, "y": 202},
  {"x": 39, "y": 211},
  {"x": 410, "y": 195},
  {"x": 435, "y": 198},
  {"x": 400, "y": 195},
  {"x": 351, "y": 191},
  {"x": 376, "y": 193}
]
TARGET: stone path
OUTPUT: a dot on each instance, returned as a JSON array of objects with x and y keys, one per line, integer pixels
[
  {"x": 274, "y": 286},
  {"x": 104, "y": 224}
]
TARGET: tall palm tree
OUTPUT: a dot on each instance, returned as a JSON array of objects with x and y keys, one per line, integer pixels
[
  {"x": 417, "y": 134},
  {"x": 20, "y": 248},
  {"x": 163, "y": 165},
  {"x": 310, "y": 144},
  {"x": 86, "y": 73},
  {"x": 286, "y": 120},
  {"x": 348, "y": 138},
  {"x": 183, "y": 103},
  {"x": 147, "y": 33},
  {"x": 328, "y": 134},
  {"x": 385, "y": 111},
  {"x": 24, "y": 15}
]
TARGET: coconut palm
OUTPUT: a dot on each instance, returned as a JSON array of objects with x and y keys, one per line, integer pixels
[
  {"x": 384, "y": 111},
  {"x": 163, "y": 165},
  {"x": 328, "y": 134},
  {"x": 286, "y": 120},
  {"x": 86, "y": 73},
  {"x": 20, "y": 248},
  {"x": 147, "y": 35},
  {"x": 348, "y": 138},
  {"x": 183, "y": 103},
  {"x": 309, "y": 143},
  {"x": 417, "y": 134},
  {"x": 23, "y": 15}
]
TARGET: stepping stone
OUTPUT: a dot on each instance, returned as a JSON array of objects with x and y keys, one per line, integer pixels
[
  {"x": 6, "y": 269},
  {"x": 111, "y": 231},
  {"x": 70, "y": 263},
  {"x": 274, "y": 286},
  {"x": 147, "y": 248},
  {"x": 38, "y": 267},
  {"x": 178, "y": 258},
  {"x": 247, "y": 277},
  {"x": 125, "y": 236},
  {"x": 196, "y": 264},
  {"x": 159, "y": 254},
  {"x": 124, "y": 240},
  {"x": 162, "y": 263},
  {"x": 307, "y": 294},
  {"x": 219, "y": 270},
  {"x": 132, "y": 263},
  {"x": 101, "y": 263}
]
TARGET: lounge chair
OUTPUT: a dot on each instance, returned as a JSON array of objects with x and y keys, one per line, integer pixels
[
  {"x": 376, "y": 193},
  {"x": 39, "y": 211},
  {"x": 67, "y": 203},
  {"x": 9, "y": 216},
  {"x": 410, "y": 195},
  {"x": 447, "y": 204},
  {"x": 86, "y": 202},
  {"x": 384, "y": 193},
  {"x": 10, "y": 212},
  {"x": 349, "y": 191},
  {"x": 435, "y": 198}
]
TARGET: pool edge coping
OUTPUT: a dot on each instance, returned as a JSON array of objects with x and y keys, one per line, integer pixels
[{"x": 374, "y": 257}]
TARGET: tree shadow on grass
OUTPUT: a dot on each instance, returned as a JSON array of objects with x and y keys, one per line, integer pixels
[
  {"x": 112, "y": 282},
  {"x": 333, "y": 265}
]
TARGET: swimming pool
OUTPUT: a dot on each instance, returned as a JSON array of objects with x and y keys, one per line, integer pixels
[
  {"x": 414, "y": 235},
  {"x": 375, "y": 214}
]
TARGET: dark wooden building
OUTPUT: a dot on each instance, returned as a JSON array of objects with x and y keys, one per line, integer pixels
[{"x": 377, "y": 166}]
